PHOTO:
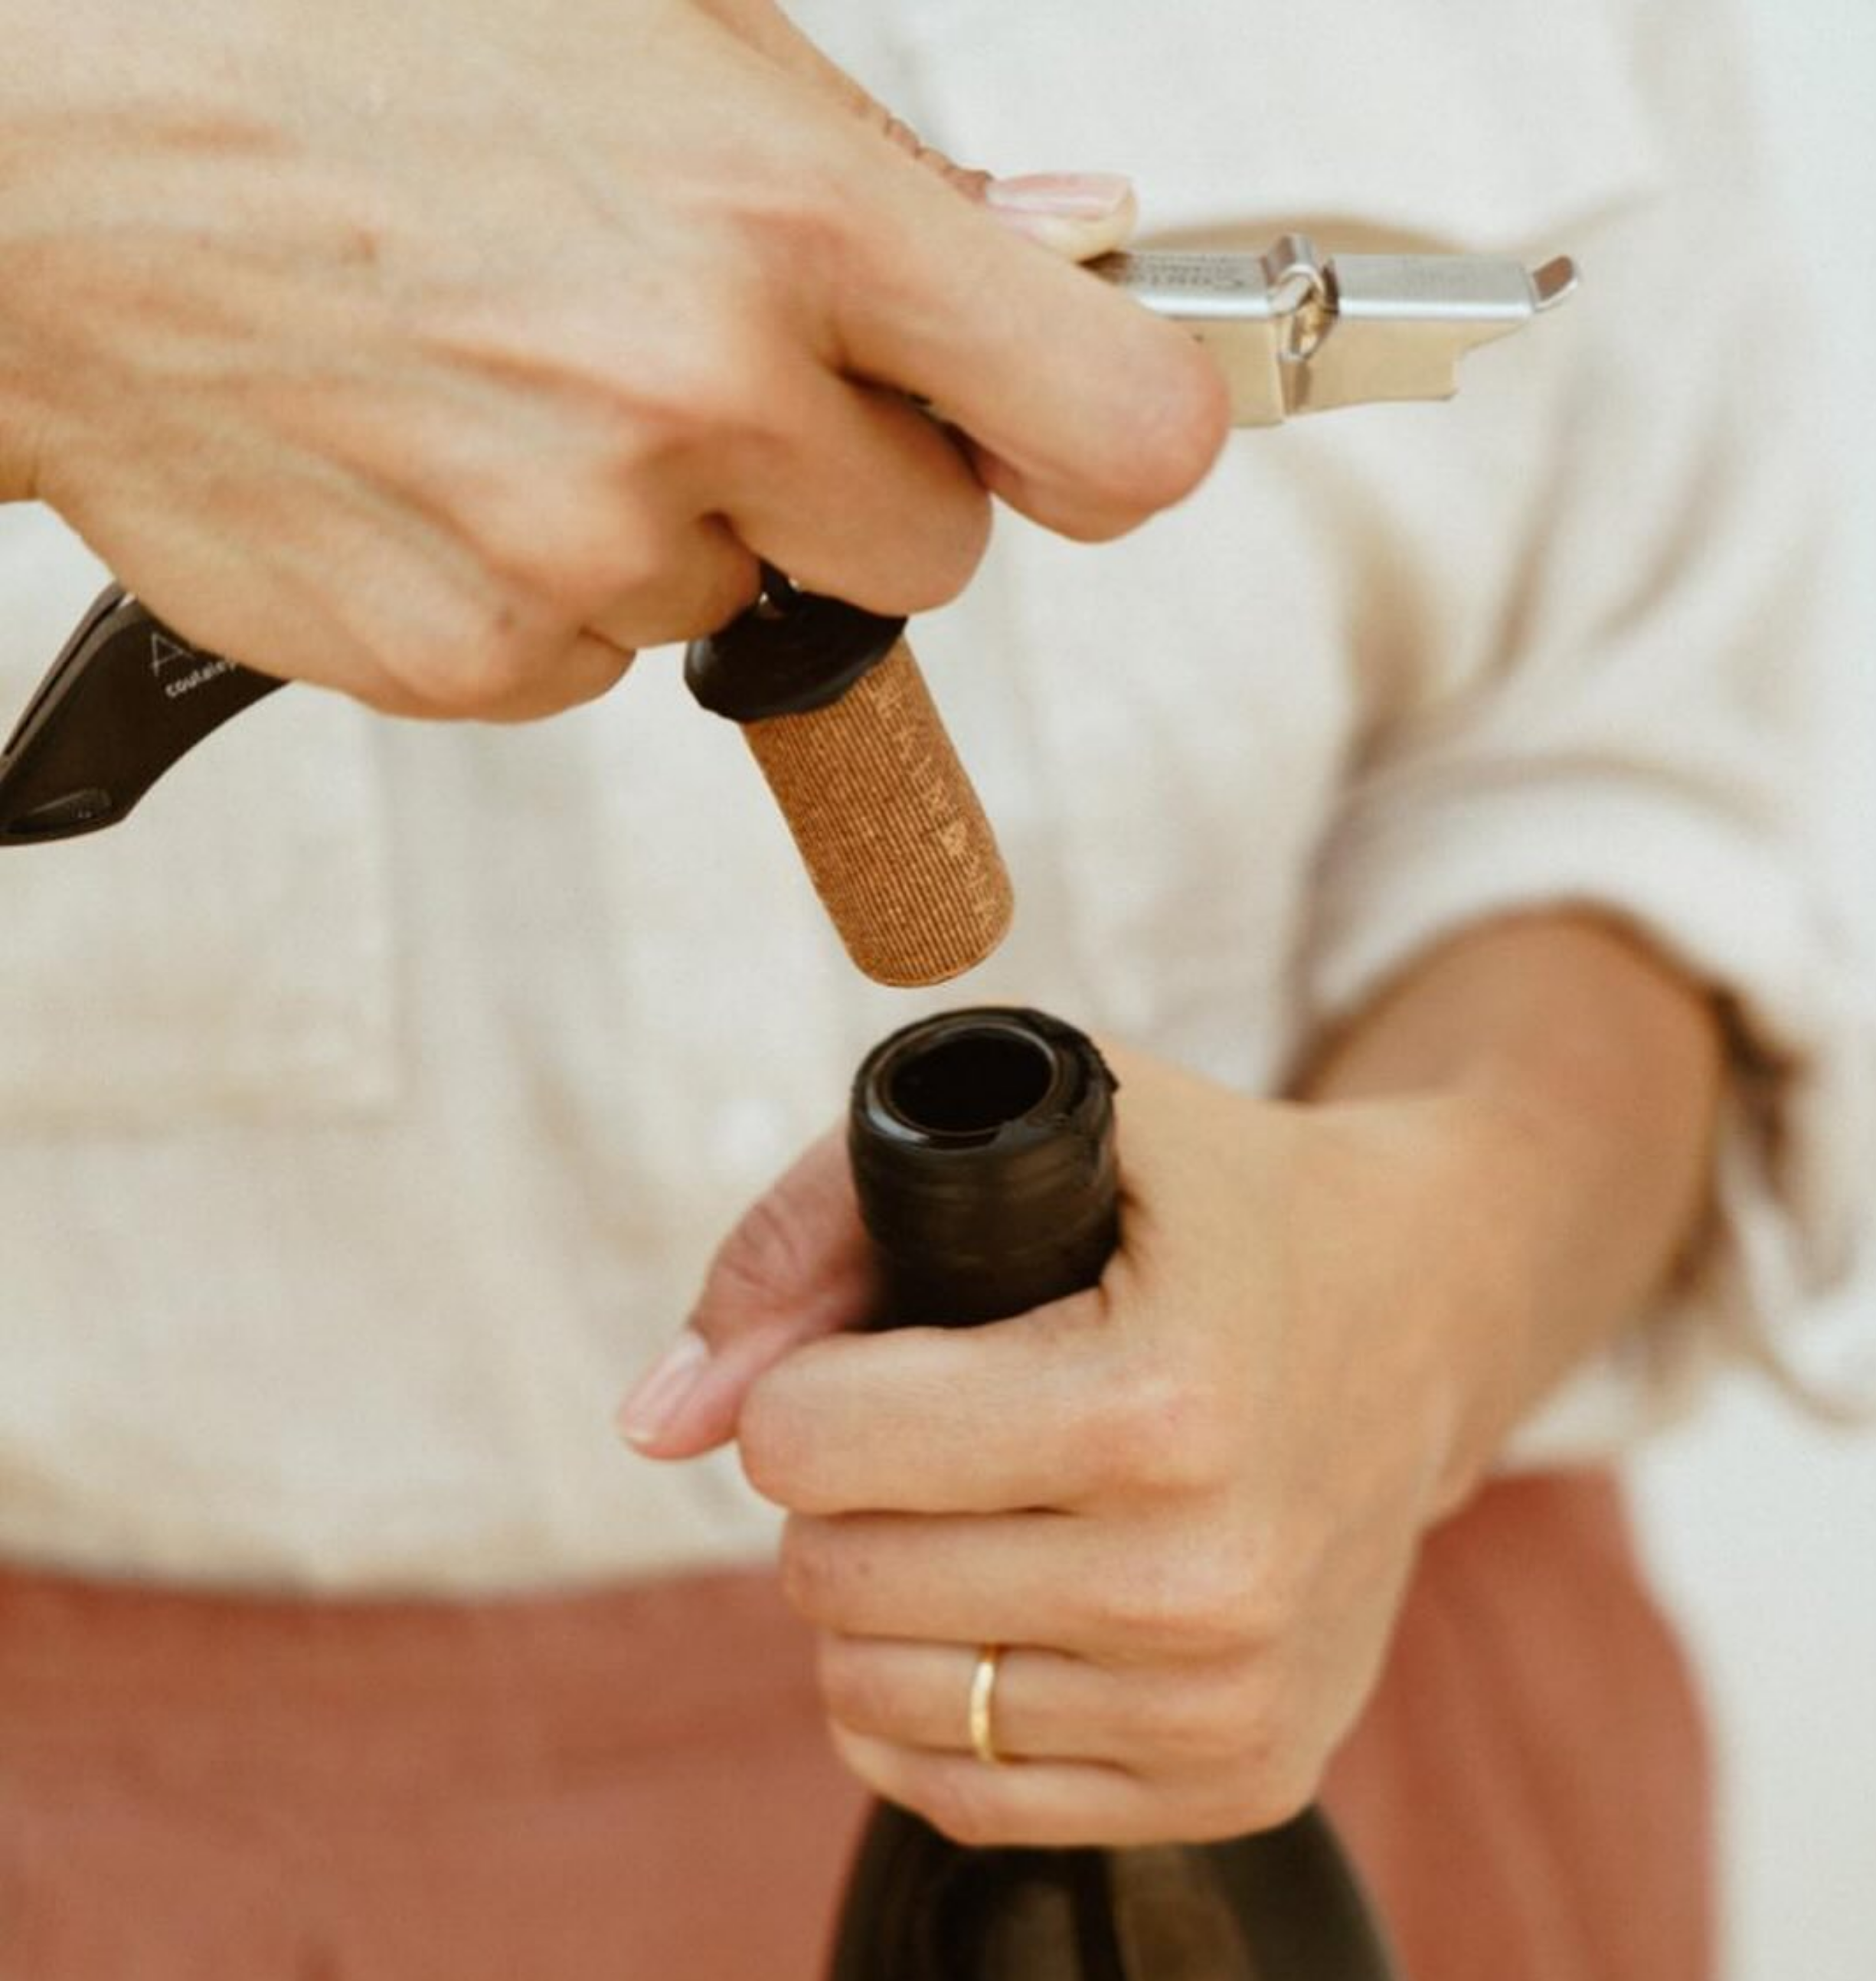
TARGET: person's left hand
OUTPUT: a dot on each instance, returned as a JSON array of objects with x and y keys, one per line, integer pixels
[{"x": 1188, "y": 1501}]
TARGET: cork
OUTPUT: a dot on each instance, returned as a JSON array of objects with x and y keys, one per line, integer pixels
[{"x": 888, "y": 826}]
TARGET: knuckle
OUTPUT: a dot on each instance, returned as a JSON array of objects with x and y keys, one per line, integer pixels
[
  {"x": 776, "y": 1439},
  {"x": 1216, "y": 1613},
  {"x": 961, "y": 1805},
  {"x": 1183, "y": 425},
  {"x": 590, "y": 554},
  {"x": 687, "y": 393},
  {"x": 949, "y": 552},
  {"x": 1161, "y": 1435},
  {"x": 558, "y": 537},
  {"x": 1207, "y": 1724},
  {"x": 626, "y": 416},
  {"x": 1267, "y": 1768},
  {"x": 467, "y": 661},
  {"x": 1187, "y": 1600},
  {"x": 810, "y": 1582},
  {"x": 807, "y": 231},
  {"x": 1142, "y": 1609},
  {"x": 1178, "y": 416},
  {"x": 852, "y": 1687},
  {"x": 1272, "y": 1588}
]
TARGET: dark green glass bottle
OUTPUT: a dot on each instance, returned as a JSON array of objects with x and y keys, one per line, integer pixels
[{"x": 983, "y": 1149}]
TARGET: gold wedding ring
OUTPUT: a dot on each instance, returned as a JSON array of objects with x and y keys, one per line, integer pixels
[{"x": 983, "y": 1705}]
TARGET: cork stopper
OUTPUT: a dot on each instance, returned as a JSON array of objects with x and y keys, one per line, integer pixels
[
  {"x": 888, "y": 825},
  {"x": 892, "y": 834}
]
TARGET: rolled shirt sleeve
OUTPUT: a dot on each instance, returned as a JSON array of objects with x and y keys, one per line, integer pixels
[{"x": 1648, "y": 743}]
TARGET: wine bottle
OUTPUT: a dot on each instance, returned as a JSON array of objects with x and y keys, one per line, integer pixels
[{"x": 983, "y": 1148}]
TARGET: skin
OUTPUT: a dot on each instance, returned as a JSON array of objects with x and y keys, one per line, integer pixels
[
  {"x": 1190, "y": 1501},
  {"x": 446, "y": 353}
]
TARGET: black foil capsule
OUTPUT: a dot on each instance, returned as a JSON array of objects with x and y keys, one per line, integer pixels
[{"x": 983, "y": 1150}]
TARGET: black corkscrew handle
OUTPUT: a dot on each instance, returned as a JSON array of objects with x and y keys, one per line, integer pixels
[
  {"x": 981, "y": 1145},
  {"x": 125, "y": 700}
]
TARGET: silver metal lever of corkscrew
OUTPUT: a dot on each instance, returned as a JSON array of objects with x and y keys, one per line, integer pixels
[{"x": 1295, "y": 331}]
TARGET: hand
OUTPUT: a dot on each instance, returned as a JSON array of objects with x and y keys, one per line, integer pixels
[
  {"x": 1188, "y": 1502},
  {"x": 446, "y": 354}
]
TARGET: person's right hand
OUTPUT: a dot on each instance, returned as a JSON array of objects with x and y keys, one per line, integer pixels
[{"x": 445, "y": 355}]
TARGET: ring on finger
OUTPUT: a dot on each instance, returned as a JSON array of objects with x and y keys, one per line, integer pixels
[{"x": 983, "y": 1705}]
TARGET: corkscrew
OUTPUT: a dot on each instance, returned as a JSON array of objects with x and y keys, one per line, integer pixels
[{"x": 830, "y": 697}]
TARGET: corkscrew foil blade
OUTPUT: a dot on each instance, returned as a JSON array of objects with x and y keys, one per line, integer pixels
[
  {"x": 1295, "y": 331},
  {"x": 125, "y": 700}
]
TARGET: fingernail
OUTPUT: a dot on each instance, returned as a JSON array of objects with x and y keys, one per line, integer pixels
[
  {"x": 1061, "y": 196},
  {"x": 654, "y": 1404}
]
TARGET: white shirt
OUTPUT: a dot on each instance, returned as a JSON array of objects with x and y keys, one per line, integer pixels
[{"x": 370, "y": 1103}]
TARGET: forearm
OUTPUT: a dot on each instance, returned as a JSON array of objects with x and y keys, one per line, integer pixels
[{"x": 1579, "y": 1075}]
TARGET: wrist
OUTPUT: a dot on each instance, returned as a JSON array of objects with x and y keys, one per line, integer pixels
[
  {"x": 1496, "y": 1180},
  {"x": 1460, "y": 1194},
  {"x": 1565, "y": 1077}
]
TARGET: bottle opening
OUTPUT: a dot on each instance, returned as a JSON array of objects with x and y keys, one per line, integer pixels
[{"x": 971, "y": 1082}]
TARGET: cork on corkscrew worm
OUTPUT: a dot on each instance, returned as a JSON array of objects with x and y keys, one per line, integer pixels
[{"x": 838, "y": 716}]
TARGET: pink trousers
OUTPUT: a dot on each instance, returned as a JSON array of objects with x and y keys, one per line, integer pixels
[{"x": 634, "y": 1786}]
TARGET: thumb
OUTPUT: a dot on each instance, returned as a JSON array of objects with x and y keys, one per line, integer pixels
[
  {"x": 797, "y": 1265},
  {"x": 1077, "y": 215}
]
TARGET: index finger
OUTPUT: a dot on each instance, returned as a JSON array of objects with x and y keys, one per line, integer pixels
[
  {"x": 1086, "y": 412},
  {"x": 1015, "y": 1414}
]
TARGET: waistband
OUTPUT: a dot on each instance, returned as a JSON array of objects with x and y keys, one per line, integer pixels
[{"x": 235, "y": 1693}]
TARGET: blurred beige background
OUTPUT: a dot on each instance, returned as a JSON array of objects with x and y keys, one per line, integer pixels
[{"x": 1765, "y": 1527}]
